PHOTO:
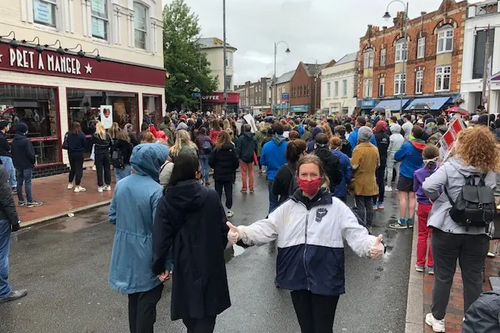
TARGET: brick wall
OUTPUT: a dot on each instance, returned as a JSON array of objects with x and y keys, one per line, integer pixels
[
  {"x": 311, "y": 89},
  {"x": 449, "y": 14}
]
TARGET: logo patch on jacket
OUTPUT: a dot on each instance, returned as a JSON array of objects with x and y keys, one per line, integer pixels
[{"x": 320, "y": 213}]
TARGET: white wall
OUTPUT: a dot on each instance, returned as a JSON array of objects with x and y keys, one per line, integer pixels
[
  {"x": 216, "y": 59},
  {"x": 73, "y": 20},
  {"x": 339, "y": 73}
]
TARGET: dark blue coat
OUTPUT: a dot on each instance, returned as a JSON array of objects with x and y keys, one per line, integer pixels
[{"x": 23, "y": 153}]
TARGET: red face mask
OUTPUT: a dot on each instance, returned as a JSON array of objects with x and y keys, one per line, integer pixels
[{"x": 309, "y": 187}]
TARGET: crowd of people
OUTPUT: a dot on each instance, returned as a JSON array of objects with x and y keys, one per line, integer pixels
[{"x": 170, "y": 222}]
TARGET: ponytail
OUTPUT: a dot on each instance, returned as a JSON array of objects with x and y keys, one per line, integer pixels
[{"x": 294, "y": 150}]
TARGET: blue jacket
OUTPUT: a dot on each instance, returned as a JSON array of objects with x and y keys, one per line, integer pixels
[
  {"x": 273, "y": 155},
  {"x": 23, "y": 153},
  {"x": 133, "y": 210},
  {"x": 346, "y": 168},
  {"x": 410, "y": 156},
  {"x": 353, "y": 139}
]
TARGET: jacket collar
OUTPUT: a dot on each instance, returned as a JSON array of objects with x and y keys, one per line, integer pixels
[{"x": 321, "y": 199}]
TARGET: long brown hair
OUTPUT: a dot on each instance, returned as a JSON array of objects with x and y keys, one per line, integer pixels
[
  {"x": 222, "y": 138},
  {"x": 313, "y": 159},
  {"x": 76, "y": 127}
]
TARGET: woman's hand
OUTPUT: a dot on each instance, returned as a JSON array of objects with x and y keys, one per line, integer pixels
[
  {"x": 377, "y": 248},
  {"x": 233, "y": 236},
  {"x": 165, "y": 276}
]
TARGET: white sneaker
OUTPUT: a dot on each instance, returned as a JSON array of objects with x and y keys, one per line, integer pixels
[
  {"x": 70, "y": 186},
  {"x": 388, "y": 189},
  {"x": 100, "y": 189},
  {"x": 230, "y": 214},
  {"x": 107, "y": 188},
  {"x": 80, "y": 189},
  {"x": 94, "y": 168},
  {"x": 437, "y": 325}
]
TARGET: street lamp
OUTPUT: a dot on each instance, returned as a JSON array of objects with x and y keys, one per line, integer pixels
[
  {"x": 275, "y": 98},
  {"x": 387, "y": 16},
  {"x": 224, "y": 51}
]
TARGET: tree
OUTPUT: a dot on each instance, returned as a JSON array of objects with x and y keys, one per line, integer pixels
[{"x": 184, "y": 60}]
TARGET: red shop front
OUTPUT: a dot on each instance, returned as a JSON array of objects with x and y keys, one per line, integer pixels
[{"x": 215, "y": 102}]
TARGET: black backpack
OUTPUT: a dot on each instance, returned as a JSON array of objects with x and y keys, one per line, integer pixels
[
  {"x": 117, "y": 159},
  {"x": 475, "y": 205},
  {"x": 65, "y": 145}
]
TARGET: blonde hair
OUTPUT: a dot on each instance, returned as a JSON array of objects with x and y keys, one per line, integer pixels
[
  {"x": 327, "y": 130},
  {"x": 227, "y": 125},
  {"x": 113, "y": 130},
  {"x": 100, "y": 130},
  {"x": 222, "y": 138},
  {"x": 182, "y": 138}
]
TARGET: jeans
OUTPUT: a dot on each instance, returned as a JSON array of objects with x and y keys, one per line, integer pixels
[
  {"x": 76, "y": 165},
  {"x": 122, "y": 173},
  {"x": 24, "y": 176},
  {"x": 5, "y": 288},
  {"x": 205, "y": 169},
  {"x": 142, "y": 310},
  {"x": 228, "y": 188},
  {"x": 424, "y": 234},
  {"x": 246, "y": 172},
  {"x": 103, "y": 165},
  {"x": 205, "y": 325},
  {"x": 470, "y": 250},
  {"x": 9, "y": 167},
  {"x": 381, "y": 183},
  {"x": 273, "y": 198},
  {"x": 391, "y": 165},
  {"x": 365, "y": 209},
  {"x": 315, "y": 313}
]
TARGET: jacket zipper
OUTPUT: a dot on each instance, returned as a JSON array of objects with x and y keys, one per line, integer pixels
[{"x": 305, "y": 250}]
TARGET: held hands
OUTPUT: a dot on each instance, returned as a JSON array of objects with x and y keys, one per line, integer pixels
[
  {"x": 233, "y": 236},
  {"x": 377, "y": 248},
  {"x": 165, "y": 276}
]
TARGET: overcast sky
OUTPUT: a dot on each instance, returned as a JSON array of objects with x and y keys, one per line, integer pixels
[{"x": 314, "y": 29}]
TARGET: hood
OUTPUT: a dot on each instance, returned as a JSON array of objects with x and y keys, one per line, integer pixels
[
  {"x": 465, "y": 170},
  {"x": 227, "y": 146},
  {"x": 19, "y": 136},
  {"x": 316, "y": 131},
  {"x": 443, "y": 128},
  {"x": 4, "y": 175},
  {"x": 395, "y": 129},
  {"x": 148, "y": 158},
  {"x": 248, "y": 135},
  {"x": 417, "y": 143},
  {"x": 279, "y": 139},
  {"x": 186, "y": 196}
]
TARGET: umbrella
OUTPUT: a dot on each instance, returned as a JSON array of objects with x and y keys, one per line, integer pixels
[
  {"x": 420, "y": 106},
  {"x": 378, "y": 110},
  {"x": 457, "y": 109}
]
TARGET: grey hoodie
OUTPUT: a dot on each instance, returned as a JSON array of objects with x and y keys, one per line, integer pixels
[
  {"x": 396, "y": 140},
  {"x": 452, "y": 175}
]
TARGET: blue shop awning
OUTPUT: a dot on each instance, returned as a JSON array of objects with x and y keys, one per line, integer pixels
[
  {"x": 392, "y": 104},
  {"x": 434, "y": 103}
]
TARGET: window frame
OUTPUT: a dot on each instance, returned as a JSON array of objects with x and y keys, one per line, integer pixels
[
  {"x": 146, "y": 30},
  {"x": 383, "y": 56},
  {"x": 440, "y": 77},
  {"x": 442, "y": 39},
  {"x": 400, "y": 82},
  {"x": 419, "y": 82},
  {"x": 421, "y": 48},
  {"x": 101, "y": 18},
  {"x": 344, "y": 88},
  {"x": 367, "y": 88},
  {"x": 381, "y": 88},
  {"x": 336, "y": 88},
  {"x": 401, "y": 49},
  {"x": 328, "y": 89},
  {"x": 54, "y": 4},
  {"x": 369, "y": 57}
]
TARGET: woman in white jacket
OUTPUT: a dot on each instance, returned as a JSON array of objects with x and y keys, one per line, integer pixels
[
  {"x": 396, "y": 140},
  {"x": 310, "y": 229}
]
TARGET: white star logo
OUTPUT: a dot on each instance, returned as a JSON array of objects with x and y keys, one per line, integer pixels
[
  {"x": 88, "y": 69},
  {"x": 1, "y": 55}
]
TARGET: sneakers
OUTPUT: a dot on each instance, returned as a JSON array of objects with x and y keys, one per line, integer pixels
[
  {"x": 437, "y": 325},
  {"x": 70, "y": 186},
  {"x": 375, "y": 207},
  {"x": 400, "y": 225},
  {"x": 34, "y": 204},
  {"x": 100, "y": 189},
  {"x": 94, "y": 168},
  {"x": 106, "y": 187},
  {"x": 251, "y": 191},
  {"x": 80, "y": 189},
  {"x": 230, "y": 214},
  {"x": 22, "y": 203},
  {"x": 430, "y": 270},
  {"x": 243, "y": 191},
  {"x": 388, "y": 189},
  {"x": 14, "y": 295},
  {"x": 380, "y": 206},
  {"x": 409, "y": 223},
  {"x": 419, "y": 268}
]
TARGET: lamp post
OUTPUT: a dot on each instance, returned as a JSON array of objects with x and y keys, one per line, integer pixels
[
  {"x": 224, "y": 51},
  {"x": 387, "y": 16},
  {"x": 275, "y": 87}
]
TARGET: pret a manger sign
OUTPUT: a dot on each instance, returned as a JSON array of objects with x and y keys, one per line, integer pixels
[{"x": 44, "y": 62}]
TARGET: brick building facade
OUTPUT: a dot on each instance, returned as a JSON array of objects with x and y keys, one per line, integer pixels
[
  {"x": 305, "y": 87},
  {"x": 432, "y": 70},
  {"x": 254, "y": 95}
]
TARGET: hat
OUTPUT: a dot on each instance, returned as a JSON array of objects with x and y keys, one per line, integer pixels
[
  {"x": 316, "y": 131},
  {"x": 21, "y": 128},
  {"x": 3, "y": 124},
  {"x": 364, "y": 134},
  {"x": 182, "y": 126}
]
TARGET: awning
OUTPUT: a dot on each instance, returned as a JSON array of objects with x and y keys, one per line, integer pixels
[
  {"x": 392, "y": 104},
  {"x": 495, "y": 77},
  {"x": 434, "y": 103}
]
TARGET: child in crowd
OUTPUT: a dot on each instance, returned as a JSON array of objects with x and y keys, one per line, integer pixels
[{"x": 430, "y": 156}]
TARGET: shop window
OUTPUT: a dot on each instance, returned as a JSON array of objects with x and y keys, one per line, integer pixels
[
  {"x": 100, "y": 21},
  {"x": 37, "y": 108},
  {"x": 44, "y": 12},
  {"x": 83, "y": 106},
  {"x": 140, "y": 25},
  {"x": 152, "y": 104}
]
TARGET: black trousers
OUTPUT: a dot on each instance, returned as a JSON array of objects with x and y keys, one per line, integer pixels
[
  {"x": 365, "y": 208},
  {"x": 142, "y": 310},
  {"x": 470, "y": 250},
  {"x": 205, "y": 325},
  {"x": 315, "y": 313},
  {"x": 228, "y": 188},
  {"x": 76, "y": 167},
  {"x": 103, "y": 165}
]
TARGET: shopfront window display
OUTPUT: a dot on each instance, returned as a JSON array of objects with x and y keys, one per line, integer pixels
[
  {"x": 36, "y": 107},
  {"x": 84, "y": 107},
  {"x": 151, "y": 104}
]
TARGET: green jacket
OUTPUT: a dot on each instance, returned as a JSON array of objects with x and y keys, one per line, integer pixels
[{"x": 260, "y": 136}]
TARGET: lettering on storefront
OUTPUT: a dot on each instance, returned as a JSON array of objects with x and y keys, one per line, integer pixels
[
  {"x": 211, "y": 98},
  {"x": 41, "y": 61}
]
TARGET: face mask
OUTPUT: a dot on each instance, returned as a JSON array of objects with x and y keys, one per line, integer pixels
[{"x": 309, "y": 187}]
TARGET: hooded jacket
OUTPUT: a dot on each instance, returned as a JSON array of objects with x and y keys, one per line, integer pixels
[
  {"x": 312, "y": 142},
  {"x": 133, "y": 209},
  {"x": 4, "y": 146},
  {"x": 452, "y": 175},
  {"x": 331, "y": 163},
  {"x": 246, "y": 147},
  {"x": 23, "y": 153},
  {"x": 410, "y": 156},
  {"x": 345, "y": 165},
  {"x": 396, "y": 140},
  {"x": 126, "y": 149},
  {"x": 190, "y": 222},
  {"x": 224, "y": 161},
  {"x": 7, "y": 205},
  {"x": 353, "y": 139},
  {"x": 273, "y": 155},
  {"x": 483, "y": 316},
  {"x": 310, "y": 236}
]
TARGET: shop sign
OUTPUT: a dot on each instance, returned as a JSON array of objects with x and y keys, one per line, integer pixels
[
  {"x": 106, "y": 115},
  {"x": 368, "y": 103},
  {"x": 300, "y": 108},
  {"x": 285, "y": 97},
  {"x": 218, "y": 98},
  {"x": 45, "y": 62}
]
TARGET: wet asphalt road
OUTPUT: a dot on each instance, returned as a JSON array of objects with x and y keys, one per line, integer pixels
[{"x": 65, "y": 263}]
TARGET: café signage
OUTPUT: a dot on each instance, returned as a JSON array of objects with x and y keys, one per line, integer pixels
[{"x": 46, "y": 62}]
